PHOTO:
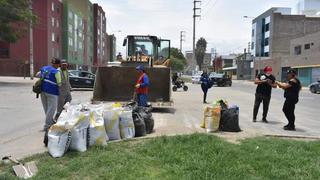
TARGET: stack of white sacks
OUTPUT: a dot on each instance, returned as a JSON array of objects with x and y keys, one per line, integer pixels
[{"x": 84, "y": 125}]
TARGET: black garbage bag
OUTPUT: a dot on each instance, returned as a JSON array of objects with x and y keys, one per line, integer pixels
[
  {"x": 229, "y": 120},
  {"x": 146, "y": 114},
  {"x": 139, "y": 125},
  {"x": 142, "y": 114},
  {"x": 149, "y": 124}
]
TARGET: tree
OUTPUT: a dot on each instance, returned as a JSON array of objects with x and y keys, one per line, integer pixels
[
  {"x": 178, "y": 61},
  {"x": 200, "y": 51},
  {"x": 15, "y": 15}
]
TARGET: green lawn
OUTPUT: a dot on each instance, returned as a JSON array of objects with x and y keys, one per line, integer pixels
[{"x": 197, "y": 156}]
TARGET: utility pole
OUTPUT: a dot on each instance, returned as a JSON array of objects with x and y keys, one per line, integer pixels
[
  {"x": 182, "y": 38},
  {"x": 214, "y": 59},
  {"x": 31, "y": 44},
  {"x": 195, "y": 16}
]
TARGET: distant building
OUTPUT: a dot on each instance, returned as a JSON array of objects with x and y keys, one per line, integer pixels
[
  {"x": 304, "y": 56},
  {"x": 244, "y": 67},
  {"x": 310, "y": 8},
  {"x": 191, "y": 64},
  {"x": 112, "y": 48},
  {"x": 207, "y": 63},
  {"x": 229, "y": 65},
  {"x": 78, "y": 33},
  {"x": 14, "y": 57},
  {"x": 272, "y": 33},
  {"x": 100, "y": 38},
  {"x": 264, "y": 28}
]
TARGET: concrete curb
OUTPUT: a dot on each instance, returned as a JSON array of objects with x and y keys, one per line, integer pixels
[{"x": 293, "y": 136}]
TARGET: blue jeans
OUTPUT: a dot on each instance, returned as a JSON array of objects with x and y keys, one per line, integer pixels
[{"x": 142, "y": 100}]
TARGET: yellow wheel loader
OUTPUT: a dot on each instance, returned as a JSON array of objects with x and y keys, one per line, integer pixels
[{"x": 116, "y": 82}]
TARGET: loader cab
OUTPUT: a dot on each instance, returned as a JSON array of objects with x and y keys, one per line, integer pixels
[{"x": 146, "y": 49}]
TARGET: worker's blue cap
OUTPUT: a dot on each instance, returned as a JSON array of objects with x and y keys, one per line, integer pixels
[{"x": 140, "y": 68}]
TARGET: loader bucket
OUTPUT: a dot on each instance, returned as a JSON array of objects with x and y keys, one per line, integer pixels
[{"x": 117, "y": 84}]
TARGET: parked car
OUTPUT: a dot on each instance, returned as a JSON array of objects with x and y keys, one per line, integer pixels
[
  {"x": 81, "y": 79},
  {"x": 212, "y": 74},
  {"x": 315, "y": 87},
  {"x": 196, "y": 79},
  {"x": 221, "y": 80}
]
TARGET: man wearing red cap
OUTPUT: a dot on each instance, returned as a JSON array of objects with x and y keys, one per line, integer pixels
[{"x": 265, "y": 82}]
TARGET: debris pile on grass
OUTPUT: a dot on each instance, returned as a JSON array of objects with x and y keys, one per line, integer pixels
[{"x": 84, "y": 125}]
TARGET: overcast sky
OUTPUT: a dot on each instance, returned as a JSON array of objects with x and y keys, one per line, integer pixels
[{"x": 222, "y": 23}]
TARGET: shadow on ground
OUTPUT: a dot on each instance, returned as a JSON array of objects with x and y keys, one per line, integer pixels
[
  {"x": 12, "y": 84},
  {"x": 164, "y": 110}
]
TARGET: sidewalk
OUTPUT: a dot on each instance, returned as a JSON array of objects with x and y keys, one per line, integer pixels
[{"x": 13, "y": 79}]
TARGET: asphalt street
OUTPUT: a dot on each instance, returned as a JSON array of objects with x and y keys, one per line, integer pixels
[{"x": 22, "y": 117}]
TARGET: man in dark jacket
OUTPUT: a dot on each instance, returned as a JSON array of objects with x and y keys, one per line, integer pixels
[
  {"x": 291, "y": 93},
  {"x": 205, "y": 85},
  {"x": 265, "y": 82}
]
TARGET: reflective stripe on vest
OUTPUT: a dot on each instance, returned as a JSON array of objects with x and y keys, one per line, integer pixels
[{"x": 51, "y": 82}]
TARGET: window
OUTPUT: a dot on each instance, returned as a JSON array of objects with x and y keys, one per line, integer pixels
[
  {"x": 80, "y": 45},
  {"x": 4, "y": 49},
  {"x": 52, "y": 21},
  {"x": 297, "y": 50},
  {"x": 53, "y": 37},
  {"x": 70, "y": 28},
  {"x": 252, "y": 33},
  {"x": 252, "y": 45},
  {"x": 57, "y": 23},
  {"x": 98, "y": 51},
  {"x": 52, "y": 7},
  {"x": 70, "y": 15},
  {"x": 307, "y": 46},
  {"x": 53, "y": 55},
  {"x": 266, "y": 42},
  {"x": 266, "y": 54},
  {"x": 304, "y": 72},
  {"x": 267, "y": 28},
  {"x": 70, "y": 42}
]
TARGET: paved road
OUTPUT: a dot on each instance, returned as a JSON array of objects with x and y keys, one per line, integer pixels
[{"x": 22, "y": 116}]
